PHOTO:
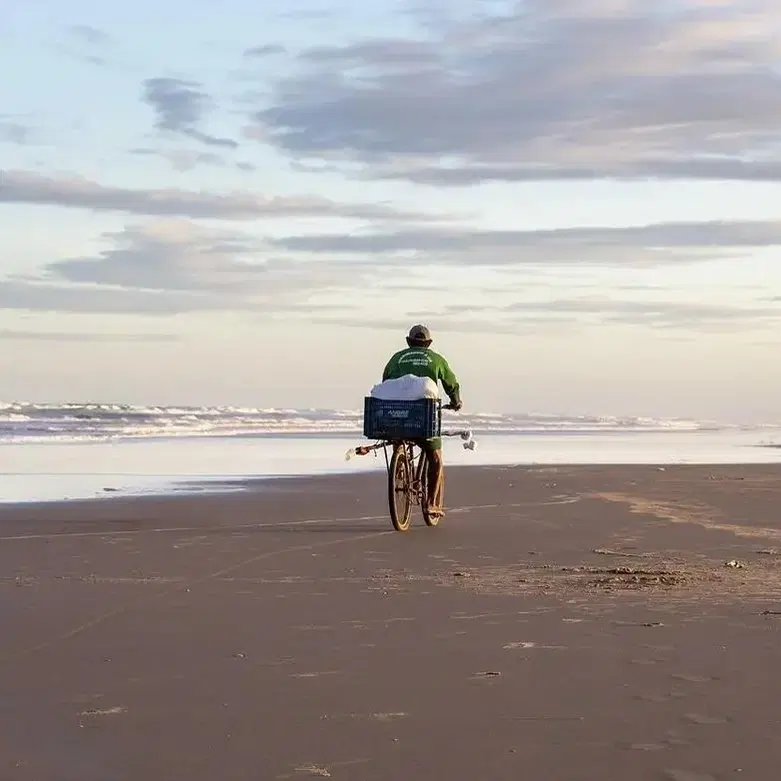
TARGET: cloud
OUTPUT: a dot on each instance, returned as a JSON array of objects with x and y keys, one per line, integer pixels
[
  {"x": 265, "y": 50},
  {"x": 381, "y": 53},
  {"x": 182, "y": 159},
  {"x": 90, "y": 44},
  {"x": 566, "y": 314},
  {"x": 717, "y": 169},
  {"x": 577, "y": 89},
  {"x": 76, "y": 192},
  {"x": 73, "y": 336},
  {"x": 14, "y": 132},
  {"x": 168, "y": 267},
  {"x": 180, "y": 106},
  {"x": 657, "y": 313},
  {"x": 670, "y": 318},
  {"x": 189, "y": 159},
  {"x": 89, "y": 35},
  {"x": 588, "y": 246},
  {"x": 164, "y": 267},
  {"x": 167, "y": 255},
  {"x": 444, "y": 324},
  {"x": 45, "y": 297},
  {"x": 309, "y": 14}
]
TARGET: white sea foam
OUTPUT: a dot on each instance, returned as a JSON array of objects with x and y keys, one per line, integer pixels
[
  {"x": 54, "y": 451},
  {"x": 89, "y": 422}
]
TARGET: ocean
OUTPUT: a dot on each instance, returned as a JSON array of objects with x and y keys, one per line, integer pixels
[
  {"x": 86, "y": 450},
  {"x": 22, "y": 422}
]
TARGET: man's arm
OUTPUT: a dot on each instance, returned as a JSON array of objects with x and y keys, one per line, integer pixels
[{"x": 450, "y": 383}]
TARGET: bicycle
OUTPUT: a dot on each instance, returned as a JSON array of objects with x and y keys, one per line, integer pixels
[{"x": 407, "y": 470}]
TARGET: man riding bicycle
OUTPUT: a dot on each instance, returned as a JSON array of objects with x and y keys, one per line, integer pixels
[{"x": 420, "y": 360}]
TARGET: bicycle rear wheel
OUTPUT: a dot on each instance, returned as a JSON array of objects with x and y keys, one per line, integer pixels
[{"x": 399, "y": 498}]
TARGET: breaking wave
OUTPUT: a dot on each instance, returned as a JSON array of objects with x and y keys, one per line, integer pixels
[{"x": 83, "y": 422}]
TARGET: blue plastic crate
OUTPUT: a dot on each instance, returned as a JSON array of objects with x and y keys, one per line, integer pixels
[{"x": 416, "y": 419}]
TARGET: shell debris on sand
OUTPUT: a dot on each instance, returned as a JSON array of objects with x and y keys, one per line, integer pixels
[
  {"x": 106, "y": 712},
  {"x": 314, "y": 770}
]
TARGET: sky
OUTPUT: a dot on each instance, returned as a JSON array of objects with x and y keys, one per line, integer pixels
[{"x": 241, "y": 204}]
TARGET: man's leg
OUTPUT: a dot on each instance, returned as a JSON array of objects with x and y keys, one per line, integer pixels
[{"x": 436, "y": 477}]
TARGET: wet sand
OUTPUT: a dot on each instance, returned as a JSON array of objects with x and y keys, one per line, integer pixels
[{"x": 561, "y": 623}]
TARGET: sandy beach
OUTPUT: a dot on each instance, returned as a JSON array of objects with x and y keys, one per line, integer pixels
[{"x": 573, "y": 623}]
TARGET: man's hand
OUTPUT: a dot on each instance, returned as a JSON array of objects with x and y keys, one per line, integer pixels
[{"x": 455, "y": 405}]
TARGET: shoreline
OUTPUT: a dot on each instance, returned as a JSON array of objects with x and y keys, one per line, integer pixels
[
  {"x": 165, "y": 466},
  {"x": 227, "y": 487},
  {"x": 247, "y": 488}
]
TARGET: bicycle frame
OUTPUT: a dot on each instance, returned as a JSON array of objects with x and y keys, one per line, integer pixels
[
  {"x": 410, "y": 469},
  {"x": 407, "y": 470},
  {"x": 408, "y": 444},
  {"x": 364, "y": 450}
]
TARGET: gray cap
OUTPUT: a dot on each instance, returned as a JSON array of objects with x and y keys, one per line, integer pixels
[{"x": 419, "y": 333}]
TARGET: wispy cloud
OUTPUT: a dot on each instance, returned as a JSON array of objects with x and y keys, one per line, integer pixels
[
  {"x": 536, "y": 318},
  {"x": 168, "y": 255},
  {"x": 180, "y": 107},
  {"x": 87, "y": 43},
  {"x": 588, "y": 246},
  {"x": 90, "y": 35},
  {"x": 13, "y": 132},
  {"x": 75, "y": 336},
  {"x": 659, "y": 312},
  {"x": 182, "y": 159},
  {"x": 168, "y": 267},
  {"x": 33, "y": 296},
  {"x": 578, "y": 89},
  {"x": 265, "y": 50},
  {"x": 190, "y": 159},
  {"x": 77, "y": 192}
]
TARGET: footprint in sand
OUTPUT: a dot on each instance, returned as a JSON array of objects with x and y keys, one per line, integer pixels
[
  {"x": 645, "y": 746},
  {"x": 658, "y": 698},
  {"x": 687, "y": 775},
  {"x": 652, "y": 697},
  {"x": 699, "y": 718},
  {"x": 674, "y": 738},
  {"x": 692, "y": 678},
  {"x": 313, "y": 627}
]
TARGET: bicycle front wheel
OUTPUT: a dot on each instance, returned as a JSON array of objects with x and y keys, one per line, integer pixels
[{"x": 399, "y": 498}]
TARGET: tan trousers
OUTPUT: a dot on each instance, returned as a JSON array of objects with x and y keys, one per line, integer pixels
[{"x": 436, "y": 480}]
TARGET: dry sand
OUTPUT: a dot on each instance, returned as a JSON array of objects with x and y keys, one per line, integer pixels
[{"x": 567, "y": 623}]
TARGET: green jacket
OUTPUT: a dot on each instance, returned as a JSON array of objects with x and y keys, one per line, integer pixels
[{"x": 423, "y": 362}]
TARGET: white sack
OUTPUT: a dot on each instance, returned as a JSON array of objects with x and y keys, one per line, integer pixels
[{"x": 406, "y": 388}]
